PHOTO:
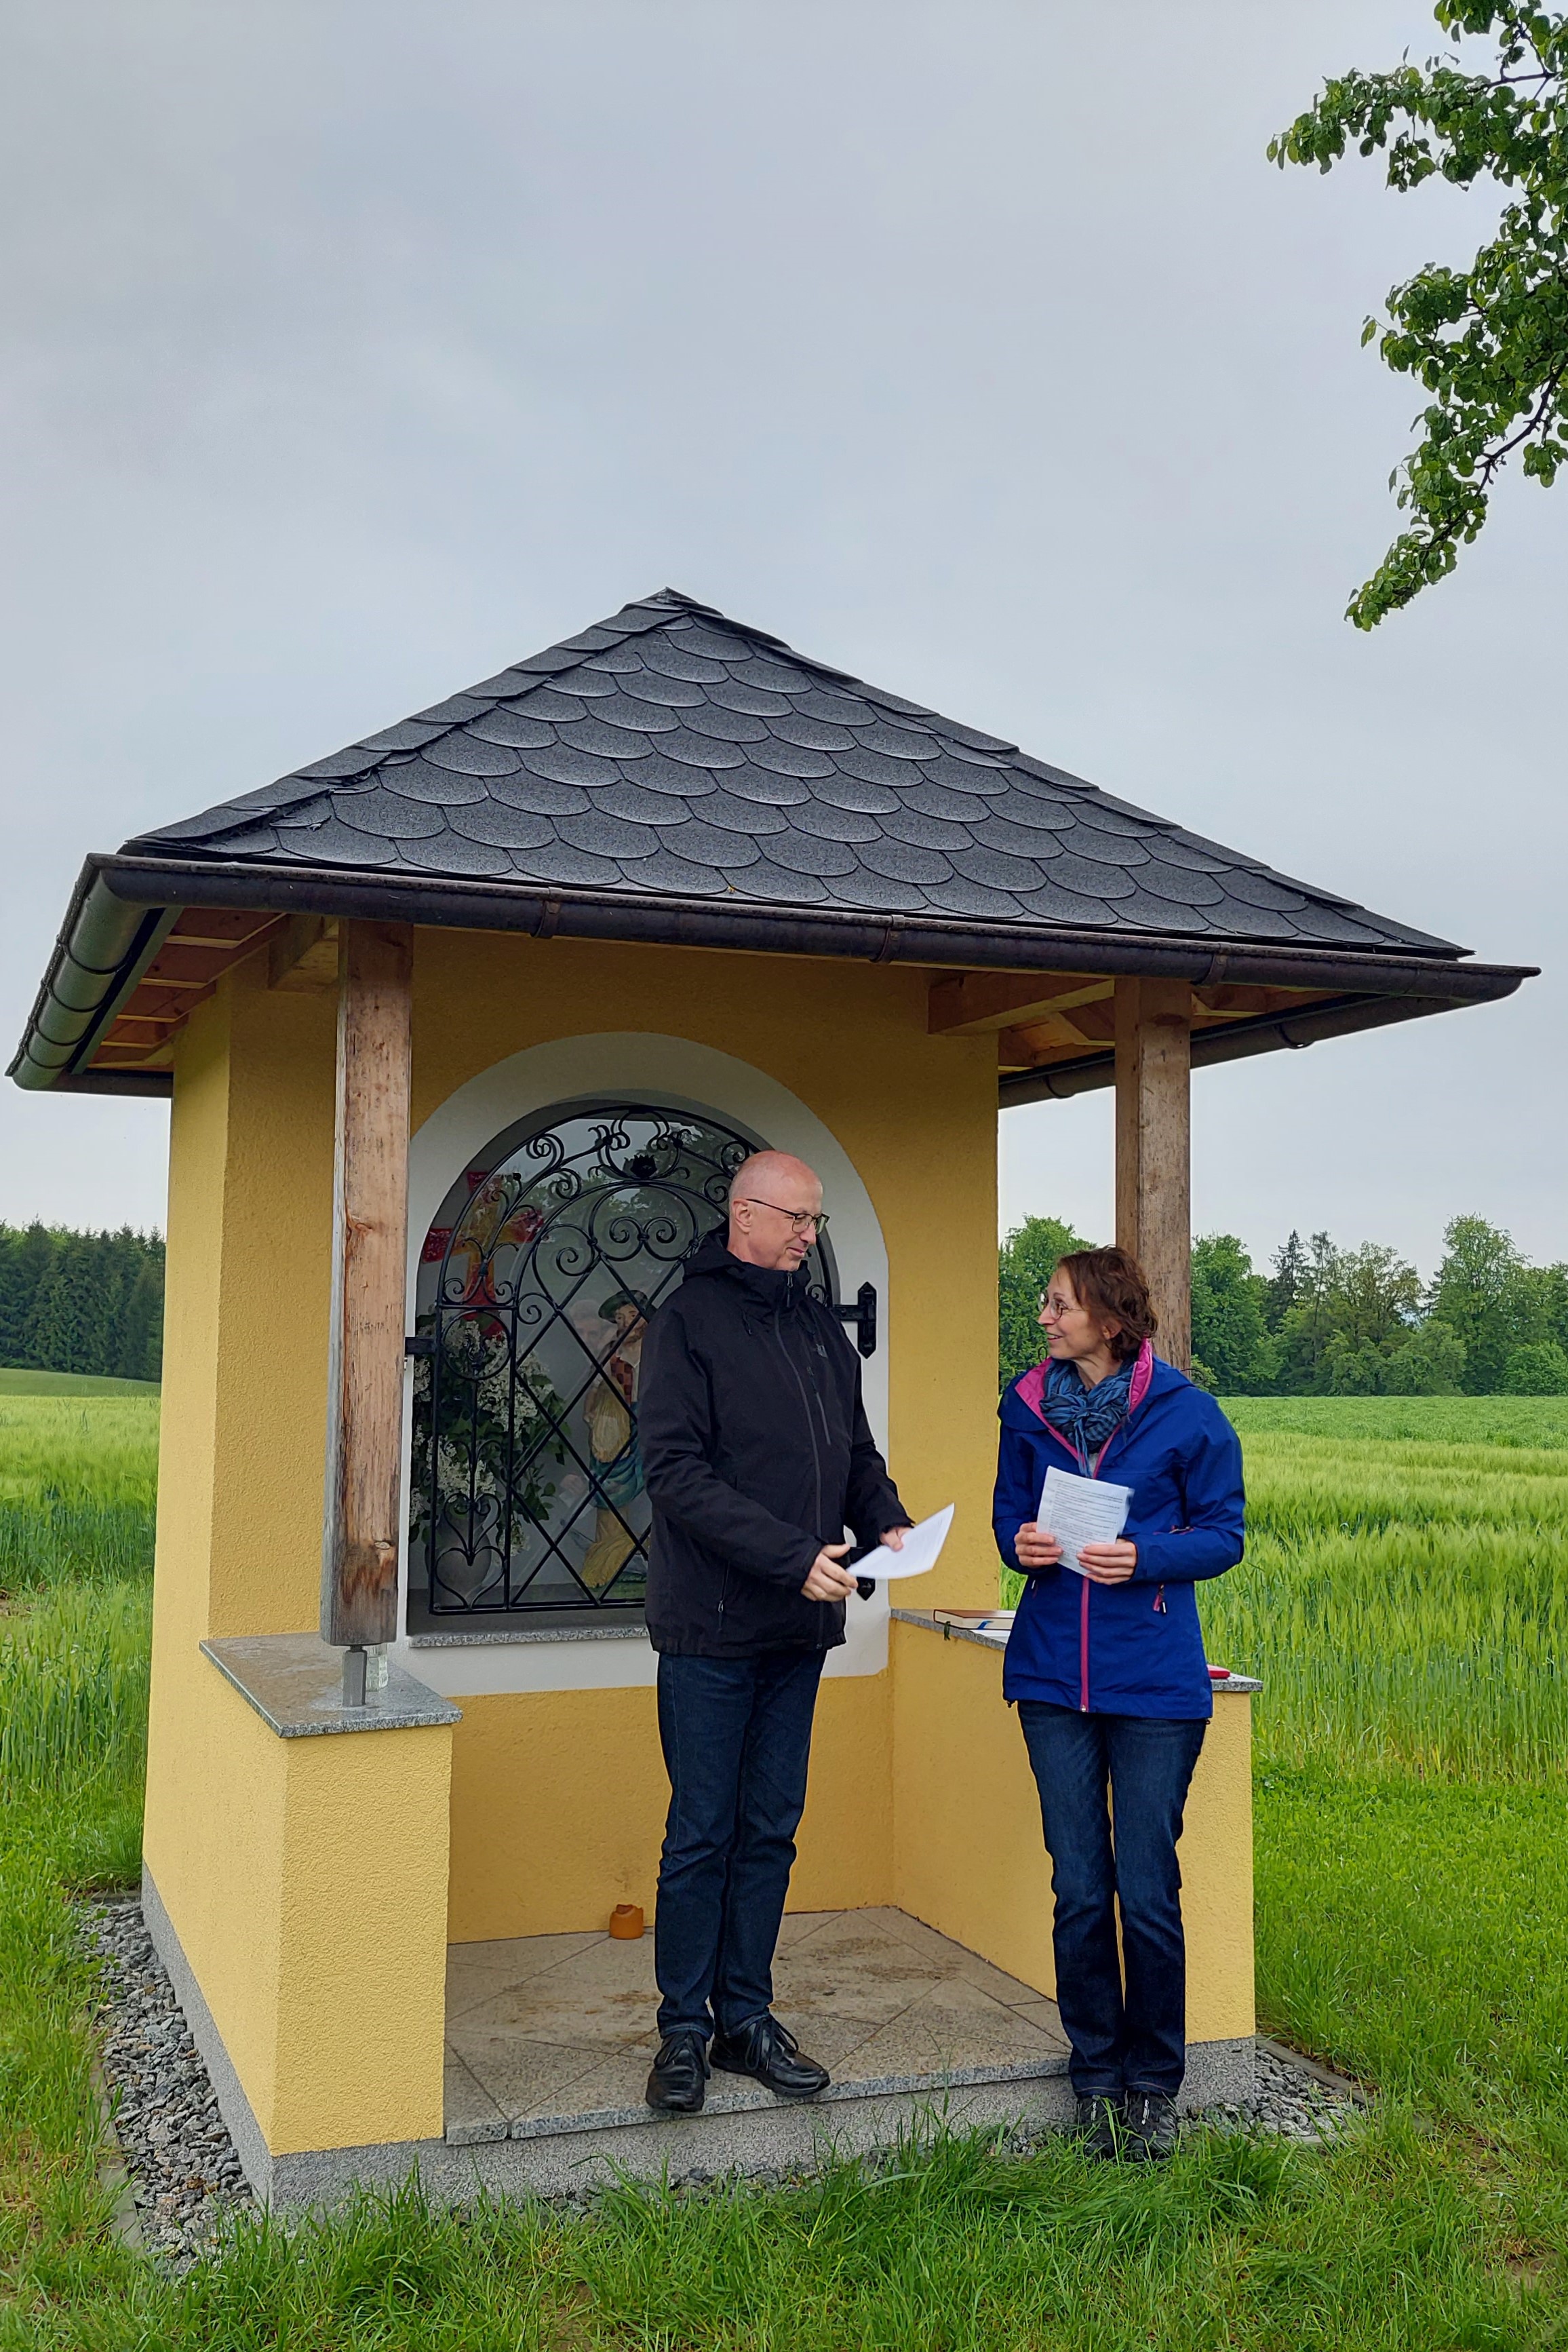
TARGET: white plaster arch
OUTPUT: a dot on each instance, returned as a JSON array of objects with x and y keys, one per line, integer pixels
[{"x": 676, "y": 1074}]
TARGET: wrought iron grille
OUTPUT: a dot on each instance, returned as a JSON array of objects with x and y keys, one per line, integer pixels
[{"x": 536, "y": 1282}]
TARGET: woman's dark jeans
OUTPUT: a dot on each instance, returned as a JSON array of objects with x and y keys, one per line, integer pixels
[
  {"x": 736, "y": 1736},
  {"x": 1135, "y": 2040}
]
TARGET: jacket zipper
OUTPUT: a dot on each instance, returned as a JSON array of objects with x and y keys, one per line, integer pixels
[
  {"x": 1083, "y": 1580},
  {"x": 1084, "y": 1602},
  {"x": 810, "y": 1419}
]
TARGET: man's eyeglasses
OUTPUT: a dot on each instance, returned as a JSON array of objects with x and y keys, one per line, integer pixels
[{"x": 799, "y": 1218}]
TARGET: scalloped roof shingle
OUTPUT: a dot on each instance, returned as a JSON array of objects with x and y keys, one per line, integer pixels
[{"x": 672, "y": 752}]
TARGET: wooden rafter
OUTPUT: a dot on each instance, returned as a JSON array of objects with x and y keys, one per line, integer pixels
[
  {"x": 967, "y": 1003},
  {"x": 1043, "y": 1020},
  {"x": 205, "y": 942}
]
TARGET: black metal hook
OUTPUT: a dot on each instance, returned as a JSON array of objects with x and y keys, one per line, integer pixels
[{"x": 862, "y": 1312}]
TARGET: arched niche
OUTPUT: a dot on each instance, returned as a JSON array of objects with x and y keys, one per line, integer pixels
[{"x": 550, "y": 1198}]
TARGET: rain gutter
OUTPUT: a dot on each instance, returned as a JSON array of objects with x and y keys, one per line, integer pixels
[
  {"x": 1346, "y": 1016},
  {"x": 124, "y": 906},
  {"x": 105, "y": 945}
]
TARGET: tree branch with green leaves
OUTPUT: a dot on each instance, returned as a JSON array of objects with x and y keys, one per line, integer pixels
[{"x": 1490, "y": 343}]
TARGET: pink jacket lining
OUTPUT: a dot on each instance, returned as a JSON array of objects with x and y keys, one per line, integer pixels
[{"x": 1031, "y": 1387}]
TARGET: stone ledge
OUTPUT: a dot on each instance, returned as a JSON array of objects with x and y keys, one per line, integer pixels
[
  {"x": 295, "y": 1682},
  {"x": 751, "y": 2098},
  {"x": 772, "y": 2136},
  {"x": 1236, "y": 1685},
  {"x": 507, "y": 1637}
]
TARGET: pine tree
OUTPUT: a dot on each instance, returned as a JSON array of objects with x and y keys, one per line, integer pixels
[
  {"x": 140, "y": 1339},
  {"x": 72, "y": 1320},
  {"x": 1285, "y": 1283},
  {"x": 82, "y": 1302},
  {"x": 26, "y": 1258}
]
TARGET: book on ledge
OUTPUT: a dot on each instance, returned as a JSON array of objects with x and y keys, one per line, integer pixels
[{"x": 996, "y": 1622}]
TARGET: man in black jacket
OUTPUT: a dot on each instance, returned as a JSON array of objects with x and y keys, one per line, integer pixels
[{"x": 758, "y": 1455}]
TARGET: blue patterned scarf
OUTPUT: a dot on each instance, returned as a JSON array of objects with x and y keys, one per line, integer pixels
[{"x": 1088, "y": 1418}]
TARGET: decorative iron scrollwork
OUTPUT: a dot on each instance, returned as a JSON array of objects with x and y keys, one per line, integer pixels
[{"x": 536, "y": 1282}]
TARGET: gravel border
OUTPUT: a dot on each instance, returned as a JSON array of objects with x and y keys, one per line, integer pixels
[
  {"x": 1294, "y": 2099},
  {"x": 179, "y": 2160},
  {"x": 186, "y": 2178}
]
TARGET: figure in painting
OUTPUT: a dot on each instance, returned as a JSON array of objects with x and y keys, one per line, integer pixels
[{"x": 609, "y": 1413}]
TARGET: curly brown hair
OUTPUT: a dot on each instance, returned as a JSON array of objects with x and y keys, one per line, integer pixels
[{"x": 1110, "y": 1283}]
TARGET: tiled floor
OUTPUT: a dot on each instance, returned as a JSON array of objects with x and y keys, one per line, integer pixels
[{"x": 562, "y": 2026}]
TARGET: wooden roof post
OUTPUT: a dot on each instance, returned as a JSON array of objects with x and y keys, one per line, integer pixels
[
  {"x": 370, "y": 1255},
  {"x": 1153, "y": 1216}
]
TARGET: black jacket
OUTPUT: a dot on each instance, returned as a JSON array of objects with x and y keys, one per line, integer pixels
[{"x": 757, "y": 1453}]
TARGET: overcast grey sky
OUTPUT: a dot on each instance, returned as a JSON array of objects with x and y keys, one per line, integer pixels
[{"x": 352, "y": 351}]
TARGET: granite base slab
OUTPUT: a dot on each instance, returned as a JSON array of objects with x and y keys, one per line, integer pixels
[{"x": 743, "y": 2129}]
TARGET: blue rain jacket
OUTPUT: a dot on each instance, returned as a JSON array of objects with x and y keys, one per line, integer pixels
[{"x": 1135, "y": 1648}]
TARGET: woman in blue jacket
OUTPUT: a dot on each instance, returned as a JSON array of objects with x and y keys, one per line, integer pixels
[{"x": 1106, "y": 1667}]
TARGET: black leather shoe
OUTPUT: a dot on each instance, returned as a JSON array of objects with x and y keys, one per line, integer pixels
[
  {"x": 769, "y": 2053},
  {"x": 679, "y": 2080},
  {"x": 1099, "y": 2128},
  {"x": 1151, "y": 2129}
]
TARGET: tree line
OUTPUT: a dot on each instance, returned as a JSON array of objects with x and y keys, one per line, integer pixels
[
  {"x": 1326, "y": 1321},
  {"x": 1321, "y": 1321},
  {"x": 82, "y": 1302}
]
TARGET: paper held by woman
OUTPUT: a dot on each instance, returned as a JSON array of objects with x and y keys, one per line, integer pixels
[
  {"x": 919, "y": 1552},
  {"x": 1079, "y": 1511}
]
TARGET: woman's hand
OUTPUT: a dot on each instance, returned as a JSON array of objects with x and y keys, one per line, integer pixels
[
  {"x": 1110, "y": 1563},
  {"x": 1036, "y": 1547}
]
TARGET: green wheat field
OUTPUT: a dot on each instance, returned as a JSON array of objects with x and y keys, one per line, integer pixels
[{"x": 1404, "y": 1598}]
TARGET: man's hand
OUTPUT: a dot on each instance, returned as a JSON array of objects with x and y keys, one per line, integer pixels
[
  {"x": 893, "y": 1538},
  {"x": 827, "y": 1580},
  {"x": 1037, "y": 1548},
  {"x": 1110, "y": 1563}
]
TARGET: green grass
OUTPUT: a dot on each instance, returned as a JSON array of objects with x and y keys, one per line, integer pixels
[
  {"x": 78, "y": 1482},
  {"x": 1406, "y": 1598},
  {"x": 73, "y": 1691},
  {"x": 16, "y": 1380},
  {"x": 1406, "y": 1602},
  {"x": 1441, "y": 1421}
]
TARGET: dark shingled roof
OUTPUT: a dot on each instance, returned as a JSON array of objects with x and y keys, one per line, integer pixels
[{"x": 673, "y": 752}]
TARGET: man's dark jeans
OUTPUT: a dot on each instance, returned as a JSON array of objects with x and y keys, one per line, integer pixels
[
  {"x": 736, "y": 1736},
  {"x": 1134, "y": 2040}
]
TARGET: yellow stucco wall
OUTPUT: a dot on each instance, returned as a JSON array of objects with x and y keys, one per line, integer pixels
[
  {"x": 968, "y": 1852},
  {"x": 308, "y": 1879},
  {"x": 559, "y": 1797},
  {"x": 305, "y": 1878}
]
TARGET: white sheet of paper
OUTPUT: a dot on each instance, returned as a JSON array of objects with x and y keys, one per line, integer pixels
[
  {"x": 919, "y": 1552},
  {"x": 1079, "y": 1511}
]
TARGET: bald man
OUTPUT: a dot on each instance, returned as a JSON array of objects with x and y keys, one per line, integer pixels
[{"x": 757, "y": 1456}]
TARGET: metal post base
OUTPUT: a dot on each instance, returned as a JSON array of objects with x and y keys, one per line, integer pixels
[{"x": 353, "y": 1677}]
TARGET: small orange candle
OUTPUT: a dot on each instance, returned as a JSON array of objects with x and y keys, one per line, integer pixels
[{"x": 626, "y": 1922}]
